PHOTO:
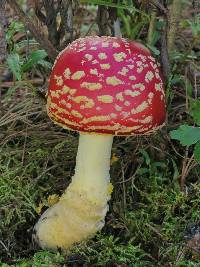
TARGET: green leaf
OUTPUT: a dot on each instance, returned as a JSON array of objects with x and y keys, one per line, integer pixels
[
  {"x": 126, "y": 5},
  {"x": 195, "y": 110},
  {"x": 33, "y": 59},
  {"x": 25, "y": 43},
  {"x": 154, "y": 50},
  {"x": 45, "y": 64},
  {"x": 176, "y": 79},
  {"x": 15, "y": 26},
  {"x": 176, "y": 171},
  {"x": 137, "y": 28},
  {"x": 187, "y": 135},
  {"x": 126, "y": 21},
  {"x": 146, "y": 156},
  {"x": 188, "y": 86},
  {"x": 142, "y": 171},
  {"x": 156, "y": 37},
  {"x": 14, "y": 65},
  {"x": 197, "y": 152}
]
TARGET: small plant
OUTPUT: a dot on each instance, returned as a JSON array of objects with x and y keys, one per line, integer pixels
[
  {"x": 188, "y": 135},
  {"x": 20, "y": 63}
]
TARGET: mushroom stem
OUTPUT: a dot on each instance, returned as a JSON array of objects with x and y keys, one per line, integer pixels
[
  {"x": 81, "y": 211},
  {"x": 92, "y": 166}
]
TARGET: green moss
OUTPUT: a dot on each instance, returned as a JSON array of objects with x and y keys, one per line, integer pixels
[{"x": 145, "y": 226}]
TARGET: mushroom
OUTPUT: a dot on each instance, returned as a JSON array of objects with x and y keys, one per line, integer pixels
[{"x": 101, "y": 87}]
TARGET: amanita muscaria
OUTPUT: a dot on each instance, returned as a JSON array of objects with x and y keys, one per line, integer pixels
[{"x": 100, "y": 87}]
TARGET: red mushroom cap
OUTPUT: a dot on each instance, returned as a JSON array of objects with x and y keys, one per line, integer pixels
[{"x": 106, "y": 85}]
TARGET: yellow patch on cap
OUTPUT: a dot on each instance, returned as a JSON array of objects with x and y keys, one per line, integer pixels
[
  {"x": 138, "y": 86},
  {"x": 96, "y": 118},
  {"x": 65, "y": 89},
  {"x": 67, "y": 73},
  {"x": 115, "y": 45},
  {"x": 89, "y": 103},
  {"x": 127, "y": 103},
  {"x": 140, "y": 108},
  {"x": 95, "y": 61},
  {"x": 105, "y": 44},
  {"x": 113, "y": 81},
  {"x": 93, "y": 48},
  {"x": 65, "y": 103},
  {"x": 132, "y": 93},
  {"x": 118, "y": 108},
  {"x": 113, "y": 115},
  {"x": 58, "y": 109},
  {"x": 72, "y": 91},
  {"x": 94, "y": 72},
  {"x": 149, "y": 76},
  {"x": 88, "y": 57},
  {"x": 81, "y": 49},
  {"x": 102, "y": 56},
  {"x": 123, "y": 71},
  {"x": 140, "y": 69},
  {"x": 55, "y": 93},
  {"x": 150, "y": 97},
  {"x": 129, "y": 129},
  {"x": 105, "y": 98},
  {"x": 105, "y": 66},
  {"x": 131, "y": 66},
  {"x": 148, "y": 119},
  {"x": 78, "y": 75},
  {"x": 119, "y": 56},
  {"x": 75, "y": 113},
  {"x": 119, "y": 97},
  {"x": 59, "y": 80},
  {"x": 132, "y": 78},
  {"x": 91, "y": 86},
  {"x": 66, "y": 121},
  {"x": 158, "y": 87}
]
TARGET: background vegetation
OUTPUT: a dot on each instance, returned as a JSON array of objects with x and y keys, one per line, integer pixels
[{"x": 154, "y": 212}]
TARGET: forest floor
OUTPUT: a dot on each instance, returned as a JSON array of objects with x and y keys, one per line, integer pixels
[{"x": 153, "y": 217}]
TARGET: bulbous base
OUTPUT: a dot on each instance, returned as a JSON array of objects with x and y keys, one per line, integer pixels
[{"x": 73, "y": 219}]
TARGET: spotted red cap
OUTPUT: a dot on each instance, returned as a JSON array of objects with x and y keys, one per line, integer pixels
[{"x": 106, "y": 85}]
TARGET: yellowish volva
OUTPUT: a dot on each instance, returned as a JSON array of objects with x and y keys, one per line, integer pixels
[{"x": 81, "y": 211}]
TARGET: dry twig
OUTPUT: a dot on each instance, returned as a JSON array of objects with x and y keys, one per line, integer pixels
[
  {"x": 102, "y": 20},
  {"x": 152, "y": 25},
  {"x": 174, "y": 17},
  {"x": 2, "y": 31}
]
